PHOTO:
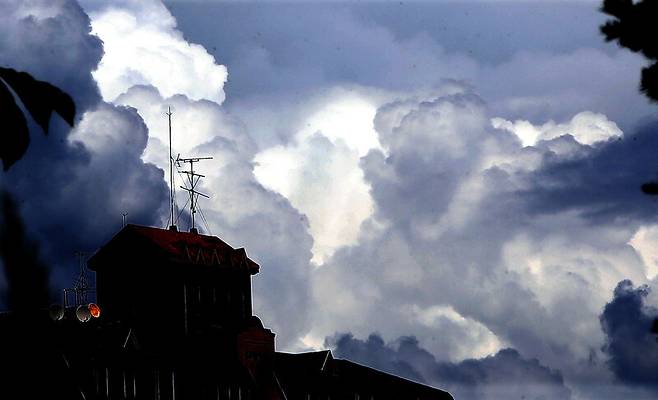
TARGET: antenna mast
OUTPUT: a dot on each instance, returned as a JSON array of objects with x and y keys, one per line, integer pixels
[
  {"x": 81, "y": 287},
  {"x": 171, "y": 178},
  {"x": 192, "y": 179}
]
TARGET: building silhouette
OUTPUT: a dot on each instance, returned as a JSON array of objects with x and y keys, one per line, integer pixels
[{"x": 175, "y": 323}]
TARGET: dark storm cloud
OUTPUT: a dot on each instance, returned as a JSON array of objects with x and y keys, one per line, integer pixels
[
  {"x": 632, "y": 348},
  {"x": 72, "y": 185},
  {"x": 528, "y": 60},
  {"x": 374, "y": 353},
  {"x": 491, "y": 30},
  {"x": 72, "y": 195},
  {"x": 503, "y": 375},
  {"x": 51, "y": 41},
  {"x": 474, "y": 28},
  {"x": 603, "y": 181}
]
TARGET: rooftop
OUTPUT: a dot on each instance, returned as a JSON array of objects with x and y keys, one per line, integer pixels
[{"x": 174, "y": 247}]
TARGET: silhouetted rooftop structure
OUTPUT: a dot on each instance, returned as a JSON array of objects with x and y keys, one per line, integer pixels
[{"x": 176, "y": 323}]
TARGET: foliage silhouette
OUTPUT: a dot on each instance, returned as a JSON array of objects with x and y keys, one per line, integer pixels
[
  {"x": 634, "y": 27},
  {"x": 25, "y": 274},
  {"x": 39, "y": 98},
  {"x": 650, "y": 188}
]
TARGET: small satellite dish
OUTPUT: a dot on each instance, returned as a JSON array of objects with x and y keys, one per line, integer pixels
[
  {"x": 94, "y": 310},
  {"x": 56, "y": 312},
  {"x": 82, "y": 313}
]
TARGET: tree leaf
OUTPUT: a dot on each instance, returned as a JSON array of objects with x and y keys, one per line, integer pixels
[
  {"x": 650, "y": 188},
  {"x": 649, "y": 84},
  {"x": 14, "y": 137},
  {"x": 39, "y": 97},
  {"x": 634, "y": 26}
]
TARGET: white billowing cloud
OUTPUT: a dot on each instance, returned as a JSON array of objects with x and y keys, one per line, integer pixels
[
  {"x": 586, "y": 127},
  {"x": 455, "y": 254},
  {"x": 564, "y": 262},
  {"x": 348, "y": 118},
  {"x": 645, "y": 242},
  {"x": 115, "y": 138},
  {"x": 440, "y": 317},
  {"x": 527, "y": 132},
  {"x": 193, "y": 124},
  {"x": 324, "y": 181},
  {"x": 376, "y": 284},
  {"x": 319, "y": 170},
  {"x": 143, "y": 47}
]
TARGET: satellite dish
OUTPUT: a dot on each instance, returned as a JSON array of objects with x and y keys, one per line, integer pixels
[
  {"x": 56, "y": 312},
  {"x": 82, "y": 313},
  {"x": 94, "y": 310}
]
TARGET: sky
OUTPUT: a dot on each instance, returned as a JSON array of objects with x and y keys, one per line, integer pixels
[{"x": 448, "y": 191}]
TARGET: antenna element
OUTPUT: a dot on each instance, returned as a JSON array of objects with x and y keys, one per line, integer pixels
[
  {"x": 172, "y": 227},
  {"x": 81, "y": 287},
  {"x": 192, "y": 179}
]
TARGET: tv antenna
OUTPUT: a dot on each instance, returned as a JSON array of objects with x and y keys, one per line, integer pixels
[
  {"x": 81, "y": 285},
  {"x": 171, "y": 178},
  {"x": 192, "y": 180}
]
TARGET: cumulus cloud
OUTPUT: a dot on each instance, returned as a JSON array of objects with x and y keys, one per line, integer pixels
[
  {"x": 72, "y": 186},
  {"x": 387, "y": 265},
  {"x": 586, "y": 127},
  {"x": 426, "y": 218},
  {"x": 319, "y": 172},
  {"x": 503, "y": 375},
  {"x": 148, "y": 67},
  {"x": 469, "y": 248},
  {"x": 51, "y": 41},
  {"x": 143, "y": 47},
  {"x": 318, "y": 169},
  {"x": 473, "y": 242},
  {"x": 599, "y": 182},
  {"x": 630, "y": 344},
  {"x": 524, "y": 72},
  {"x": 645, "y": 242},
  {"x": 323, "y": 180}
]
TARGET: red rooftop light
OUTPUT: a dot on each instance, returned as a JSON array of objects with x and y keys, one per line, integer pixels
[{"x": 94, "y": 310}]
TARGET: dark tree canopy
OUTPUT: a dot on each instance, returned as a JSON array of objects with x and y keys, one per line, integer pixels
[
  {"x": 39, "y": 98},
  {"x": 635, "y": 26}
]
